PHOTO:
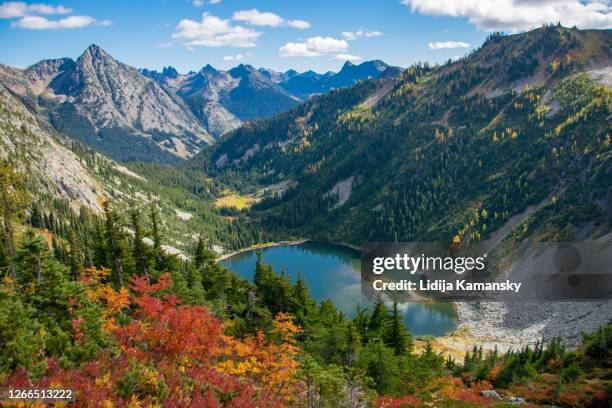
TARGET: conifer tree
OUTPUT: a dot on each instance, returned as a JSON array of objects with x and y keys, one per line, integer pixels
[
  {"x": 76, "y": 256},
  {"x": 139, "y": 249},
  {"x": 113, "y": 241},
  {"x": 194, "y": 281},
  {"x": 156, "y": 236},
  {"x": 12, "y": 201},
  {"x": 200, "y": 253},
  {"x": 398, "y": 337},
  {"x": 378, "y": 321},
  {"x": 31, "y": 257},
  {"x": 353, "y": 343},
  {"x": 361, "y": 323},
  {"x": 301, "y": 300},
  {"x": 100, "y": 247}
]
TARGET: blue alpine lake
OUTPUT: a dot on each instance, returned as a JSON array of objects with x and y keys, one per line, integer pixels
[{"x": 333, "y": 272}]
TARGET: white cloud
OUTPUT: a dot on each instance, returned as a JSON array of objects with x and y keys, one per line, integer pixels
[
  {"x": 42, "y": 23},
  {"x": 14, "y": 9},
  {"x": 258, "y": 18},
  {"x": 299, "y": 24},
  {"x": 346, "y": 57},
  {"x": 200, "y": 3},
  {"x": 237, "y": 57},
  {"x": 353, "y": 35},
  {"x": 313, "y": 47},
  {"x": 265, "y": 18},
  {"x": 441, "y": 45},
  {"x": 514, "y": 15},
  {"x": 29, "y": 16},
  {"x": 213, "y": 31}
]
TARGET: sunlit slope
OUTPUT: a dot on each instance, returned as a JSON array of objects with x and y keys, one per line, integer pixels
[{"x": 443, "y": 151}]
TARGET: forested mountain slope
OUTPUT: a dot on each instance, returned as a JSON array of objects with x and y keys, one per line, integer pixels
[
  {"x": 68, "y": 183},
  {"x": 451, "y": 151}
]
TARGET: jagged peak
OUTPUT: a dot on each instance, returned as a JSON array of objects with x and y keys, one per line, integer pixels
[
  {"x": 94, "y": 51},
  {"x": 379, "y": 64},
  {"x": 209, "y": 69},
  {"x": 269, "y": 70},
  {"x": 243, "y": 70},
  {"x": 348, "y": 64},
  {"x": 376, "y": 64},
  {"x": 170, "y": 72}
]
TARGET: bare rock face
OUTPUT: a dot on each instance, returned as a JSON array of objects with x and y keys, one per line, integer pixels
[
  {"x": 110, "y": 106},
  {"x": 222, "y": 100},
  {"x": 36, "y": 151},
  {"x": 204, "y": 92},
  {"x": 113, "y": 95}
]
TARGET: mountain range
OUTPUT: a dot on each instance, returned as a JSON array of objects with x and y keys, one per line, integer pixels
[
  {"x": 520, "y": 120},
  {"x": 310, "y": 83},
  {"x": 223, "y": 100},
  {"x": 143, "y": 115}
]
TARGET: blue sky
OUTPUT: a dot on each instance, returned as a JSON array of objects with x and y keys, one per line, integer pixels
[{"x": 281, "y": 34}]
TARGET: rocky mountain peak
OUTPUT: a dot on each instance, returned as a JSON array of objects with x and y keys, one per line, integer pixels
[
  {"x": 170, "y": 72},
  {"x": 209, "y": 70},
  {"x": 244, "y": 70},
  {"x": 291, "y": 72},
  {"x": 347, "y": 65},
  {"x": 95, "y": 52}
]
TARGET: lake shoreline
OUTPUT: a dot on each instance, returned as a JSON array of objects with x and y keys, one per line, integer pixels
[
  {"x": 281, "y": 243},
  {"x": 492, "y": 325},
  {"x": 311, "y": 258},
  {"x": 261, "y": 246}
]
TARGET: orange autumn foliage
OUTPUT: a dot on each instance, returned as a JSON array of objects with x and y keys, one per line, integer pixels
[
  {"x": 453, "y": 388},
  {"x": 405, "y": 401},
  {"x": 112, "y": 301},
  {"x": 272, "y": 363},
  {"x": 479, "y": 386},
  {"x": 174, "y": 355}
]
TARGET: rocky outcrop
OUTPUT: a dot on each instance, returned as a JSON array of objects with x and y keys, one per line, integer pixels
[
  {"x": 37, "y": 151},
  {"x": 515, "y": 323},
  {"x": 204, "y": 92}
]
